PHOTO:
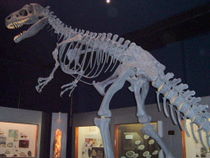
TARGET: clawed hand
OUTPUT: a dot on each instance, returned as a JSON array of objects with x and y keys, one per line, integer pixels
[
  {"x": 68, "y": 87},
  {"x": 42, "y": 82}
]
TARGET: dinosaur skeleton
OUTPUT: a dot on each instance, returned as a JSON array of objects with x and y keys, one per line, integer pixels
[{"x": 134, "y": 64}]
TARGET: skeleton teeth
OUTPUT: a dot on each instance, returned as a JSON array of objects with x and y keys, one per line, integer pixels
[
  {"x": 16, "y": 37},
  {"x": 17, "y": 24},
  {"x": 19, "y": 35},
  {"x": 14, "y": 25},
  {"x": 10, "y": 26}
]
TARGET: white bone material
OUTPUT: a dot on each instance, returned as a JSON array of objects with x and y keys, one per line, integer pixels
[
  {"x": 103, "y": 124},
  {"x": 107, "y": 52},
  {"x": 149, "y": 130}
]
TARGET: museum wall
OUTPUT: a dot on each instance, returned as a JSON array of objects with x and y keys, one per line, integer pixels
[
  {"x": 171, "y": 133},
  {"x": 189, "y": 60},
  {"x": 30, "y": 117}
]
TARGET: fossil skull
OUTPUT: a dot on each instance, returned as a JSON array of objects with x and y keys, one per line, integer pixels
[{"x": 29, "y": 14}]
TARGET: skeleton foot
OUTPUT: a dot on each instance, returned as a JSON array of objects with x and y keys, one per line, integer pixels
[
  {"x": 144, "y": 118},
  {"x": 68, "y": 87},
  {"x": 42, "y": 82},
  {"x": 99, "y": 88}
]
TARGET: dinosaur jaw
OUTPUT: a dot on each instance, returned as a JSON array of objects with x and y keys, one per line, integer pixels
[
  {"x": 18, "y": 37},
  {"x": 17, "y": 25},
  {"x": 32, "y": 29}
]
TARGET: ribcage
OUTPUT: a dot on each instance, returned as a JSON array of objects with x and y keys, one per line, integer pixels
[{"x": 94, "y": 54}]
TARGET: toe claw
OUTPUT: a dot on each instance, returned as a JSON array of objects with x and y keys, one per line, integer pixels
[
  {"x": 42, "y": 82},
  {"x": 68, "y": 87},
  {"x": 41, "y": 79},
  {"x": 61, "y": 94},
  {"x": 38, "y": 88}
]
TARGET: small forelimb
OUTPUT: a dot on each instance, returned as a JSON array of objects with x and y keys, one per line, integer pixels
[
  {"x": 69, "y": 87},
  {"x": 43, "y": 81}
]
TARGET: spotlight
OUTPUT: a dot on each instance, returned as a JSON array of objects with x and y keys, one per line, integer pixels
[{"x": 108, "y": 1}]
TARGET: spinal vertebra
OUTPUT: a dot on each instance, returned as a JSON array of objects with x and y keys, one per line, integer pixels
[{"x": 104, "y": 52}]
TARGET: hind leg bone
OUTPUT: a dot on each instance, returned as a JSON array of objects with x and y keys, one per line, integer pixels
[
  {"x": 149, "y": 130},
  {"x": 43, "y": 81},
  {"x": 141, "y": 88},
  {"x": 105, "y": 114},
  {"x": 100, "y": 86}
]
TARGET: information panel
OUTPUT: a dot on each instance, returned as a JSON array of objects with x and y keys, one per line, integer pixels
[
  {"x": 18, "y": 139},
  {"x": 132, "y": 143},
  {"x": 88, "y": 143}
]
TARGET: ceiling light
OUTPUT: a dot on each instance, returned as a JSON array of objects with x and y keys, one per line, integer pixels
[{"x": 108, "y": 1}]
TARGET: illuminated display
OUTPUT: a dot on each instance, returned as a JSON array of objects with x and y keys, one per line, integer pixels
[{"x": 58, "y": 143}]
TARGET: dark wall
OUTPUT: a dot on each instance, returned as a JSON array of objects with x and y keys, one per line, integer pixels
[
  {"x": 190, "y": 60},
  {"x": 197, "y": 65},
  {"x": 21, "y": 64}
]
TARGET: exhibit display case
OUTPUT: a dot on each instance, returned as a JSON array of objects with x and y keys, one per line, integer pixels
[
  {"x": 58, "y": 140},
  {"x": 57, "y": 143},
  {"x": 88, "y": 142},
  {"x": 191, "y": 148},
  {"x": 130, "y": 142},
  {"x": 18, "y": 140}
]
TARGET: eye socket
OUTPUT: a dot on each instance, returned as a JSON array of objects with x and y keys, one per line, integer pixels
[
  {"x": 9, "y": 17},
  {"x": 23, "y": 12},
  {"x": 30, "y": 9}
]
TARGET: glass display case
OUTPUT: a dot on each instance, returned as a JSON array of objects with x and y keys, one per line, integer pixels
[
  {"x": 130, "y": 142},
  {"x": 191, "y": 148},
  {"x": 18, "y": 140},
  {"x": 88, "y": 142}
]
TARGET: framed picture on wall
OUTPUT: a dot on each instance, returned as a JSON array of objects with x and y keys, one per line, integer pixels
[
  {"x": 131, "y": 142},
  {"x": 18, "y": 140},
  {"x": 88, "y": 142},
  {"x": 190, "y": 147}
]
